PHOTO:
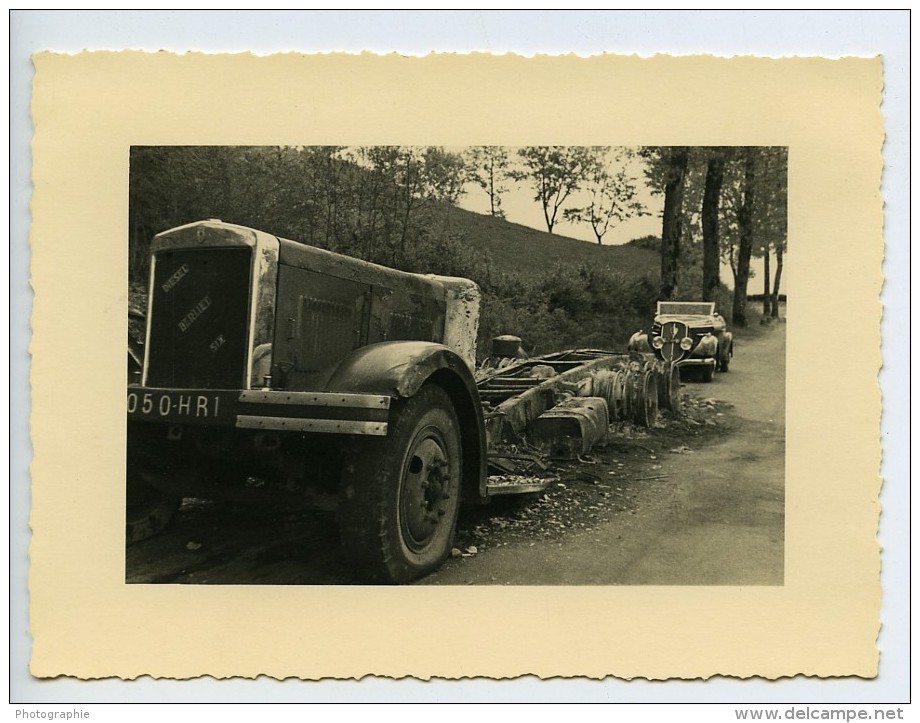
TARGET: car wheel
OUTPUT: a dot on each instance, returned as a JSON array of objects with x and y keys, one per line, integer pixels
[
  {"x": 401, "y": 493},
  {"x": 707, "y": 373},
  {"x": 725, "y": 356}
]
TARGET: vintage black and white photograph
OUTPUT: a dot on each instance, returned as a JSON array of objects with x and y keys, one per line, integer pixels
[
  {"x": 441, "y": 365},
  {"x": 438, "y": 368}
]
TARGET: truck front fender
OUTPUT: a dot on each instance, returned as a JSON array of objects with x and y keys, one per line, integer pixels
[
  {"x": 399, "y": 369},
  {"x": 395, "y": 368}
]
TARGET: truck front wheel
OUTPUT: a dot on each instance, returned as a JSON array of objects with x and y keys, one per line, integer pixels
[{"x": 400, "y": 493}]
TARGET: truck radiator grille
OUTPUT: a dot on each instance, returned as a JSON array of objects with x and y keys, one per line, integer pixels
[{"x": 199, "y": 320}]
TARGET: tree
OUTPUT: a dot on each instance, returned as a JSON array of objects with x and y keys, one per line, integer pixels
[
  {"x": 753, "y": 217},
  {"x": 774, "y": 297},
  {"x": 745, "y": 237},
  {"x": 554, "y": 172},
  {"x": 715, "y": 170},
  {"x": 444, "y": 175},
  {"x": 765, "y": 250},
  {"x": 754, "y": 198},
  {"x": 611, "y": 194},
  {"x": 671, "y": 221},
  {"x": 772, "y": 218},
  {"x": 489, "y": 168}
]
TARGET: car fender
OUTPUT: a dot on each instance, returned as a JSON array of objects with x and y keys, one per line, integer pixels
[
  {"x": 639, "y": 342},
  {"x": 707, "y": 347}
]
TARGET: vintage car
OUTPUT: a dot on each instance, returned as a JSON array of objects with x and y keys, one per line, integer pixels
[{"x": 688, "y": 334}]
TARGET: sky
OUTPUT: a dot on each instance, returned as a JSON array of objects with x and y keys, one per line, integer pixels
[{"x": 520, "y": 207}]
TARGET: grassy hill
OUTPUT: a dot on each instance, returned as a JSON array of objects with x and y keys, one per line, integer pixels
[
  {"x": 553, "y": 291},
  {"x": 529, "y": 252}
]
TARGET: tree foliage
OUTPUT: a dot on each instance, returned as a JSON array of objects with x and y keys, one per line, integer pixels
[
  {"x": 612, "y": 195},
  {"x": 554, "y": 173},
  {"x": 377, "y": 202},
  {"x": 490, "y": 168}
]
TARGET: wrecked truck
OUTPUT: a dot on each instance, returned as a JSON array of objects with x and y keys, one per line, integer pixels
[{"x": 278, "y": 373}]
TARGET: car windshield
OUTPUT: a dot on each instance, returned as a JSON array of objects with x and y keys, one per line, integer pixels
[{"x": 683, "y": 308}]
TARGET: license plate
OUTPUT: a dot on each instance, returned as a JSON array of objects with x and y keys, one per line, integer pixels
[{"x": 181, "y": 406}]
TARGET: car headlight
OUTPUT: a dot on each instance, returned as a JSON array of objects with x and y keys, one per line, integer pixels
[
  {"x": 657, "y": 342},
  {"x": 686, "y": 343}
]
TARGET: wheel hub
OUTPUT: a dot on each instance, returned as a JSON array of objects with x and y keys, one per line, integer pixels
[{"x": 426, "y": 490}]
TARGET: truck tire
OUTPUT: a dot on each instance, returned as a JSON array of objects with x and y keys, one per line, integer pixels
[
  {"x": 401, "y": 493},
  {"x": 147, "y": 511}
]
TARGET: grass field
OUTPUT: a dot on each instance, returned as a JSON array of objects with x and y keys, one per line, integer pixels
[{"x": 514, "y": 248}]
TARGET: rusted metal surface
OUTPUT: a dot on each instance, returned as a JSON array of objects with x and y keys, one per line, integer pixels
[
  {"x": 669, "y": 391},
  {"x": 461, "y": 325},
  {"x": 647, "y": 400},
  {"x": 516, "y": 485},
  {"x": 514, "y": 411},
  {"x": 572, "y": 427},
  {"x": 515, "y": 398},
  {"x": 506, "y": 345},
  {"x": 632, "y": 385}
]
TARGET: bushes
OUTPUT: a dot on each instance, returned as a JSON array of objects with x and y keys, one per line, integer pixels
[{"x": 568, "y": 306}]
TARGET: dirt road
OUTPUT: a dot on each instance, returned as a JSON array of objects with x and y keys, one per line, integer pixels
[
  {"x": 698, "y": 501},
  {"x": 714, "y": 516}
]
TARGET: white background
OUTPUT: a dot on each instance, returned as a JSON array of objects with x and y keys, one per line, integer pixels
[{"x": 837, "y": 33}]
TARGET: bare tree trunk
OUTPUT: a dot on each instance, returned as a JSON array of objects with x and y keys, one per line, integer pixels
[
  {"x": 550, "y": 220},
  {"x": 671, "y": 226},
  {"x": 492, "y": 187},
  {"x": 774, "y": 311},
  {"x": 710, "y": 218},
  {"x": 766, "y": 280},
  {"x": 745, "y": 241}
]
